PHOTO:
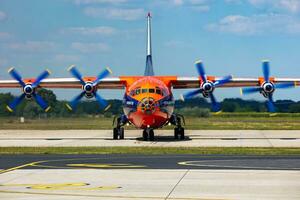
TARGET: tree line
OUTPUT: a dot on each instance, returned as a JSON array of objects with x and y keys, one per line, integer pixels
[{"x": 193, "y": 107}]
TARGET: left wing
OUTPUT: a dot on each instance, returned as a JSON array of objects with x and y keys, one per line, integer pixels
[
  {"x": 88, "y": 85},
  {"x": 106, "y": 83}
]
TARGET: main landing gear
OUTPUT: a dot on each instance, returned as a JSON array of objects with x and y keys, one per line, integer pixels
[
  {"x": 148, "y": 133},
  {"x": 118, "y": 131},
  {"x": 177, "y": 120}
]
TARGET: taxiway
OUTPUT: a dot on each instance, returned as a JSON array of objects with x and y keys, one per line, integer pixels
[{"x": 164, "y": 138}]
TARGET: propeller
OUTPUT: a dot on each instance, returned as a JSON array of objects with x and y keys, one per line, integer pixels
[
  {"x": 89, "y": 88},
  {"x": 207, "y": 87},
  {"x": 29, "y": 90},
  {"x": 268, "y": 87}
]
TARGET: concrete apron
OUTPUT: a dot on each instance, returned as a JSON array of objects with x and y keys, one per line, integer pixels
[
  {"x": 164, "y": 138},
  {"x": 149, "y": 184}
]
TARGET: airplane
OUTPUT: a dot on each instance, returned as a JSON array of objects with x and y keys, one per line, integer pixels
[{"x": 148, "y": 101}]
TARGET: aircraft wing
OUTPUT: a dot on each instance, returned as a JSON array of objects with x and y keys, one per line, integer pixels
[
  {"x": 106, "y": 83},
  {"x": 177, "y": 82},
  {"x": 194, "y": 82}
]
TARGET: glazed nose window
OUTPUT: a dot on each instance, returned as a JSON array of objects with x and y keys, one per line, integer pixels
[
  {"x": 151, "y": 90},
  {"x": 147, "y": 105},
  {"x": 144, "y": 90}
]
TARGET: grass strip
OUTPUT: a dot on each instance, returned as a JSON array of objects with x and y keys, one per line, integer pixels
[{"x": 152, "y": 150}]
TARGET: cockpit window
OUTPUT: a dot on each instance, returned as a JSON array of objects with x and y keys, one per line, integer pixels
[
  {"x": 144, "y": 90},
  {"x": 138, "y": 91},
  {"x": 158, "y": 91},
  {"x": 151, "y": 90}
]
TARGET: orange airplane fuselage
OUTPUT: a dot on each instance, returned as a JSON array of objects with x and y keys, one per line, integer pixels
[{"x": 148, "y": 101}]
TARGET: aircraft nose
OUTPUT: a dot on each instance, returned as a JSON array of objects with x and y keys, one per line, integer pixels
[{"x": 148, "y": 105}]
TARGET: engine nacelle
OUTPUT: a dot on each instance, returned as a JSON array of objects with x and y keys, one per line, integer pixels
[{"x": 207, "y": 88}]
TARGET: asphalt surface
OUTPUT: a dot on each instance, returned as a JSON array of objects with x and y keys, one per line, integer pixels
[{"x": 123, "y": 161}]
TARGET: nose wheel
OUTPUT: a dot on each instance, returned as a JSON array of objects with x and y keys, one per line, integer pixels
[{"x": 148, "y": 134}]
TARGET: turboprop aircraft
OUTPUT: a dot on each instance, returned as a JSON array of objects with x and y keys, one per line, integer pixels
[{"x": 148, "y": 101}]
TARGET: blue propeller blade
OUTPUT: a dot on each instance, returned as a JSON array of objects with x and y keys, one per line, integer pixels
[
  {"x": 284, "y": 85},
  {"x": 76, "y": 74},
  {"x": 12, "y": 106},
  {"x": 270, "y": 104},
  {"x": 75, "y": 101},
  {"x": 101, "y": 101},
  {"x": 201, "y": 71},
  {"x": 224, "y": 80},
  {"x": 41, "y": 102},
  {"x": 191, "y": 93},
  {"x": 266, "y": 70},
  {"x": 16, "y": 76},
  {"x": 42, "y": 76},
  {"x": 216, "y": 107},
  {"x": 250, "y": 90},
  {"x": 102, "y": 75}
]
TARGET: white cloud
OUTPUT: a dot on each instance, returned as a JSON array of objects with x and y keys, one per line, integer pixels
[
  {"x": 256, "y": 24},
  {"x": 198, "y": 5},
  {"x": 292, "y": 6},
  {"x": 115, "y": 13},
  {"x": 177, "y": 2},
  {"x": 2, "y": 15},
  {"x": 67, "y": 58},
  {"x": 85, "y": 2},
  {"x": 33, "y": 46},
  {"x": 99, "y": 30},
  {"x": 90, "y": 47}
]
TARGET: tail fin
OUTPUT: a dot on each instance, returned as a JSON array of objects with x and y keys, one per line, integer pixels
[{"x": 149, "y": 67}]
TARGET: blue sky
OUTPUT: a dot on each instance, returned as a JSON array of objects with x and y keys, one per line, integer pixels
[{"x": 230, "y": 36}]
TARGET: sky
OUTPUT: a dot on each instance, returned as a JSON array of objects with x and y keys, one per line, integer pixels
[{"x": 230, "y": 36}]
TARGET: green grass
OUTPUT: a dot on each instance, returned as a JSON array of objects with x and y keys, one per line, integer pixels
[
  {"x": 224, "y": 121},
  {"x": 151, "y": 150}
]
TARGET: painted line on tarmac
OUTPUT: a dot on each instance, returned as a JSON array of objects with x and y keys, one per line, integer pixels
[
  {"x": 19, "y": 167},
  {"x": 62, "y": 186},
  {"x": 100, "y": 165},
  {"x": 39, "y": 164}
]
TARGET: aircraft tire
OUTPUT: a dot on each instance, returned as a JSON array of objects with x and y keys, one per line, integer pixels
[
  {"x": 115, "y": 134},
  {"x": 121, "y": 133},
  {"x": 145, "y": 135},
  {"x": 176, "y": 133},
  {"x": 151, "y": 135},
  {"x": 181, "y": 132}
]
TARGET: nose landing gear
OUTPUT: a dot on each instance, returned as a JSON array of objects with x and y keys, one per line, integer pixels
[{"x": 148, "y": 133}]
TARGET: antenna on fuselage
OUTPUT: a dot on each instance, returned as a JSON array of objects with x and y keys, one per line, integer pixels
[{"x": 149, "y": 67}]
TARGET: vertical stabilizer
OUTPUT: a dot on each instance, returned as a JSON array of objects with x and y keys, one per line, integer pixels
[{"x": 149, "y": 67}]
